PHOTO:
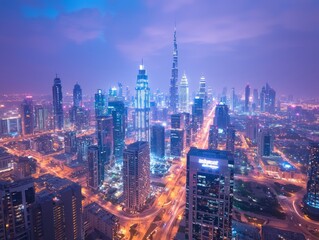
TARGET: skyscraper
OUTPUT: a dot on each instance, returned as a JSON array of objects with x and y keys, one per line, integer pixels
[
  {"x": 41, "y": 115},
  {"x": 57, "y": 104},
  {"x": 174, "y": 78},
  {"x": 312, "y": 196},
  {"x": 118, "y": 112},
  {"x": 230, "y": 139},
  {"x": 213, "y": 137},
  {"x": 136, "y": 175},
  {"x": 100, "y": 104},
  {"x": 77, "y": 95},
  {"x": 27, "y": 116},
  {"x": 58, "y": 210},
  {"x": 142, "y": 106},
  {"x": 93, "y": 167},
  {"x": 177, "y": 134},
  {"x": 265, "y": 143},
  {"x": 16, "y": 200},
  {"x": 104, "y": 129},
  {"x": 209, "y": 194},
  {"x": 247, "y": 95},
  {"x": 267, "y": 99},
  {"x": 70, "y": 144},
  {"x": 255, "y": 100},
  {"x": 158, "y": 141},
  {"x": 221, "y": 119},
  {"x": 202, "y": 91},
  {"x": 252, "y": 127},
  {"x": 197, "y": 113},
  {"x": 184, "y": 95}
]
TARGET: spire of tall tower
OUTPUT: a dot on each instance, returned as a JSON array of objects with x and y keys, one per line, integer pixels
[{"x": 174, "y": 77}]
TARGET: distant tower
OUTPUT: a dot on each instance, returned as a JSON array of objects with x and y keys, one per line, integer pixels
[
  {"x": 247, "y": 95},
  {"x": 27, "y": 116},
  {"x": 184, "y": 95},
  {"x": 312, "y": 197},
  {"x": 136, "y": 175},
  {"x": 142, "y": 106},
  {"x": 57, "y": 104},
  {"x": 174, "y": 78},
  {"x": 77, "y": 95},
  {"x": 100, "y": 104},
  {"x": 197, "y": 113},
  {"x": 202, "y": 90},
  {"x": 93, "y": 167},
  {"x": 221, "y": 119}
]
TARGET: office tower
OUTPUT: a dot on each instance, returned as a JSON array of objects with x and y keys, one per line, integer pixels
[
  {"x": 177, "y": 135},
  {"x": 173, "y": 99},
  {"x": 187, "y": 128},
  {"x": 265, "y": 143},
  {"x": 209, "y": 194},
  {"x": 311, "y": 199},
  {"x": 233, "y": 100},
  {"x": 202, "y": 91},
  {"x": 267, "y": 99},
  {"x": 83, "y": 144},
  {"x": 120, "y": 91},
  {"x": 221, "y": 119},
  {"x": 118, "y": 112},
  {"x": 213, "y": 137},
  {"x": 97, "y": 219},
  {"x": 142, "y": 106},
  {"x": 93, "y": 167},
  {"x": 58, "y": 119},
  {"x": 58, "y": 209},
  {"x": 27, "y": 116},
  {"x": 100, "y": 104},
  {"x": 197, "y": 113},
  {"x": 22, "y": 168},
  {"x": 252, "y": 127},
  {"x": 70, "y": 144},
  {"x": 230, "y": 139},
  {"x": 10, "y": 126},
  {"x": 136, "y": 175},
  {"x": 16, "y": 200},
  {"x": 158, "y": 141},
  {"x": 41, "y": 117},
  {"x": 104, "y": 129},
  {"x": 247, "y": 95},
  {"x": 77, "y": 95},
  {"x": 184, "y": 95}
]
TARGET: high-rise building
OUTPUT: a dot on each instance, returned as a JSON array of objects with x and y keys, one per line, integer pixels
[
  {"x": 158, "y": 141},
  {"x": 233, "y": 99},
  {"x": 58, "y": 210},
  {"x": 221, "y": 119},
  {"x": 209, "y": 194},
  {"x": 136, "y": 175},
  {"x": 177, "y": 134},
  {"x": 187, "y": 128},
  {"x": 41, "y": 116},
  {"x": 118, "y": 112},
  {"x": 83, "y": 144},
  {"x": 252, "y": 127},
  {"x": 93, "y": 167},
  {"x": 267, "y": 99},
  {"x": 16, "y": 200},
  {"x": 202, "y": 93},
  {"x": 174, "y": 78},
  {"x": 247, "y": 95},
  {"x": 265, "y": 143},
  {"x": 255, "y": 104},
  {"x": 312, "y": 196},
  {"x": 184, "y": 95},
  {"x": 105, "y": 143},
  {"x": 197, "y": 113},
  {"x": 230, "y": 139},
  {"x": 27, "y": 116},
  {"x": 57, "y": 104},
  {"x": 6, "y": 160},
  {"x": 10, "y": 126},
  {"x": 213, "y": 137},
  {"x": 77, "y": 95},
  {"x": 142, "y": 106},
  {"x": 100, "y": 104},
  {"x": 70, "y": 144}
]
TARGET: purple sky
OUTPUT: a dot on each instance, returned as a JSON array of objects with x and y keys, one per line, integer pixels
[{"x": 99, "y": 43}]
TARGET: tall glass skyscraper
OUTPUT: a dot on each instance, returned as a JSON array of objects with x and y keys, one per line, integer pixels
[
  {"x": 27, "y": 116},
  {"x": 209, "y": 194},
  {"x": 221, "y": 119},
  {"x": 100, "y": 104},
  {"x": 77, "y": 95},
  {"x": 174, "y": 78},
  {"x": 142, "y": 106},
  {"x": 247, "y": 95},
  {"x": 184, "y": 95},
  {"x": 202, "y": 88},
  {"x": 57, "y": 104},
  {"x": 312, "y": 196}
]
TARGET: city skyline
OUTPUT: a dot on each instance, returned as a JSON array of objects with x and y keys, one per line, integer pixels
[{"x": 245, "y": 42}]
